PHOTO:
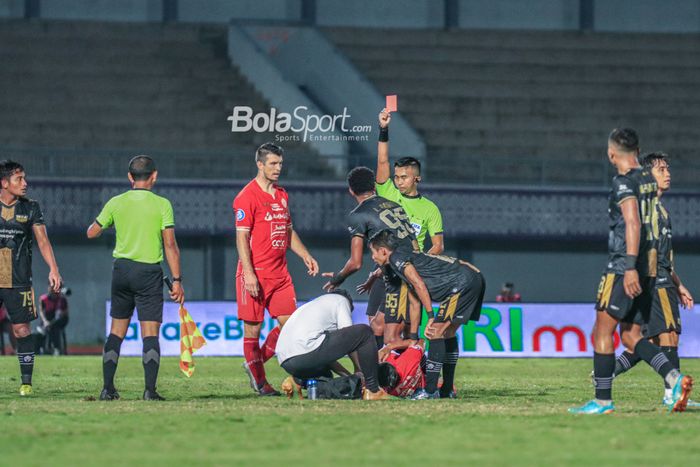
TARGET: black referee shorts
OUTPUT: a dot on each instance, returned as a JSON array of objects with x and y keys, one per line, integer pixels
[{"x": 137, "y": 285}]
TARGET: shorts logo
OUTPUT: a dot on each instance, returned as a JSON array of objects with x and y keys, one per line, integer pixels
[
  {"x": 240, "y": 215},
  {"x": 22, "y": 218},
  {"x": 613, "y": 307}
]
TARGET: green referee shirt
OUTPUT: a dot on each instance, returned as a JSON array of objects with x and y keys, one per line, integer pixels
[
  {"x": 139, "y": 216},
  {"x": 423, "y": 214}
]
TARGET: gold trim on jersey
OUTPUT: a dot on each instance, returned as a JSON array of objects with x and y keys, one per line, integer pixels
[
  {"x": 5, "y": 266},
  {"x": 666, "y": 308},
  {"x": 8, "y": 213},
  {"x": 605, "y": 290},
  {"x": 403, "y": 296},
  {"x": 653, "y": 260}
]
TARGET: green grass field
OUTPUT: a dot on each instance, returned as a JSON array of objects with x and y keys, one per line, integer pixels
[{"x": 508, "y": 412}]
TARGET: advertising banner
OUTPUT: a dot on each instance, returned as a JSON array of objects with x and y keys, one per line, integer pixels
[{"x": 504, "y": 330}]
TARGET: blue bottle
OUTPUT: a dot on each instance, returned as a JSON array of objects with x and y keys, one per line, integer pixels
[{"x": 311, "y": 389}]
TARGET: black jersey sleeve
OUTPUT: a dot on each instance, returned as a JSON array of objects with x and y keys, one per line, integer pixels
[
  {"x": 399, "y": 259},
  {"x": 357, "y": 227},
  {"x": 624, "y": 188},
  {"x": 36, "y": 217}
]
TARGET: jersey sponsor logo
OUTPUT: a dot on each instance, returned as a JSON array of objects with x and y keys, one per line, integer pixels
[
  {"x": 276, "y": 207},
  {"x": 269, "y": 216},
  {"x": 240, "y": 215},
  {"x": 279, "y": 243},
  {"x": 277, "y": 229},
  {"x": 21, "y": 218}
]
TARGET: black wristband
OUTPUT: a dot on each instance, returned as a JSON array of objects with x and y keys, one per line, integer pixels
[
  {"x": 413, "y": 336},
  {"x": 384, "y": 134},
  {"x": 337, "y": 279},
  {"x": 176, "y": 279},
  {"x": 630, "y": 262}
]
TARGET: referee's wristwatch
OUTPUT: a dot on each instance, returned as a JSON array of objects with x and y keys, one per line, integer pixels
[{"x": 176, "y": 279}]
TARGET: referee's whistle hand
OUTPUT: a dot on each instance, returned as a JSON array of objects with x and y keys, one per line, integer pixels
[{"x": 177, "y": 294}]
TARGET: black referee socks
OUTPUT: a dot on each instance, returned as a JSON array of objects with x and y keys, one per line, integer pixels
[
  {"x": 110, "y": 359},
  {"x": 151, "y": 361}
]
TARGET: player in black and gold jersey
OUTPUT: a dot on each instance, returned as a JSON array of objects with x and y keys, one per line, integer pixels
[
  {"x": 373, "y": 214},
  {"x": 457, "y": 285},
  {"x": 664, "y": 326},
  {"x": 626, "y": 289},
  {"x": 21, "y": 223}
]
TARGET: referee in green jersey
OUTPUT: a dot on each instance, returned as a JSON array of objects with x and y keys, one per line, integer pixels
[
  {"x": 423, "y": 214},
  {"x": 145, "y": 227}
]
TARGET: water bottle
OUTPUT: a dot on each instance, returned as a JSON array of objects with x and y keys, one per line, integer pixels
[{"x": 311, "y": 389}]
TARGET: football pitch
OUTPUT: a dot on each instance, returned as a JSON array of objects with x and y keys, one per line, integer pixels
[{"x": 509, "y": 411}]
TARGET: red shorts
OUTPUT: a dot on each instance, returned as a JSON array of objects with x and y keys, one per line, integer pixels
[{"x": 276, "y": 294}]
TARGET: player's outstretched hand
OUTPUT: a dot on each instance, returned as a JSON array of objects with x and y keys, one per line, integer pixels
[
  {"x": 56, "y": 281},
  {"x": 384, "y": 118},
  {"x": 631, "y": 283},
  {"x": 366, "y": 285},
  {"x": 177, "y": 294},
  {"x": 311, "y": 265},
  {"x": 685, "y": 297},
  {"x": 328, "y": 286}
]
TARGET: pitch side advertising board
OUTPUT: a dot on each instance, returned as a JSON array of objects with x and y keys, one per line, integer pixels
[{"x": 504, "y": 330}]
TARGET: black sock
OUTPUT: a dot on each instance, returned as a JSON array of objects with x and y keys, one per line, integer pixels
[
  {"x": 626, "y": 361},
  {"x": 110, "y": 359},
  {"x": 672, "y": 355},
  {"x": 449, "y": 366},
  {"x": 657, "y": 360},
  {"x": 380, "y": 341},
  {"x": 25, "y": 355},
  {"x": 436, "y": 357},
  {"x": 151, "y": 361},
  {"x": 603, "y": 368}
]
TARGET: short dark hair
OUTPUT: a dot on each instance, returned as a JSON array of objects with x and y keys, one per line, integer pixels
[
  {"x": 141, "y": 167},
  {"x": 267, "y": 148},
  {"x": 361, "y": 180},
  {"x": 387, "y": 376},
  {"x": 385, "y": 238},
  {"x": 8, "y": 168},
  {"x": 625, "y": 138},
  {"x": 653, "y": 158},
  {"x": 408, "y": 162},
  {"x": 345, "y": 294}
]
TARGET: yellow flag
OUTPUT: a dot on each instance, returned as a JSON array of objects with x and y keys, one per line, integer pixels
[{"x": 190, "y": 341}]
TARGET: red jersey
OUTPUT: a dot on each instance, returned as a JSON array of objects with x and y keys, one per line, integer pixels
[
  {"x": 52, "y": 303},
  {"x": 268, "y": 220},
  {"x": 410, "y": 373}
]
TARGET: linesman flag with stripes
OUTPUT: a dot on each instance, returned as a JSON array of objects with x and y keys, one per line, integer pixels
[{"x": 190, "y": 341}]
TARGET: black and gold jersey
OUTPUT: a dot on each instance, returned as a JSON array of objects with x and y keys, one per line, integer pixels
[
  {"x": 16, "y": 241},
  {"x": 375, "y": 214},
  {"x": 665, "y": 248},
  {"x": 640, "y": 185},
  {"x": 442, "y": 275}
]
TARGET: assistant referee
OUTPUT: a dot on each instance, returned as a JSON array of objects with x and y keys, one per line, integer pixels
[{"x": 145, "y": 226}]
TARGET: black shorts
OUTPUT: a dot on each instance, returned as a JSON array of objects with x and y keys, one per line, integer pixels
[
  {"x": 19, "y": 302},
  {"x": 665, "y": 313},
  {"x": 140, "y": 285},
  {"x": 377, "y": 296},
  {"x": 465, "y": 304},
  {"x": 396, "y": 304},
  {"x": 613, "y": 300}
]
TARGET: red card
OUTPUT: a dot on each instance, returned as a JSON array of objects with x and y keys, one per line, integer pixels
[{"x": 392, "y": 104}]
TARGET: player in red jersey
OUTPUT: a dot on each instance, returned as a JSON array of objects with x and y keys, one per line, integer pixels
[
  {"x": 263, "y": 234},
  {"x": 402, "y": 374}
]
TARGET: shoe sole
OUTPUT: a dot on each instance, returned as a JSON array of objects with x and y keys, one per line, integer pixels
[
  {"x": 686, "y": 388},
  {"x": 253, "y": 385}
]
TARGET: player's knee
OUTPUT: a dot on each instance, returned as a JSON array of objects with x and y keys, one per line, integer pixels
[
  {"x": 630, "y": 339},
  {"x": 21, "y": 330},
  {"x": 668, "y": 339},
  {"x": 377, "y": 327}
]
